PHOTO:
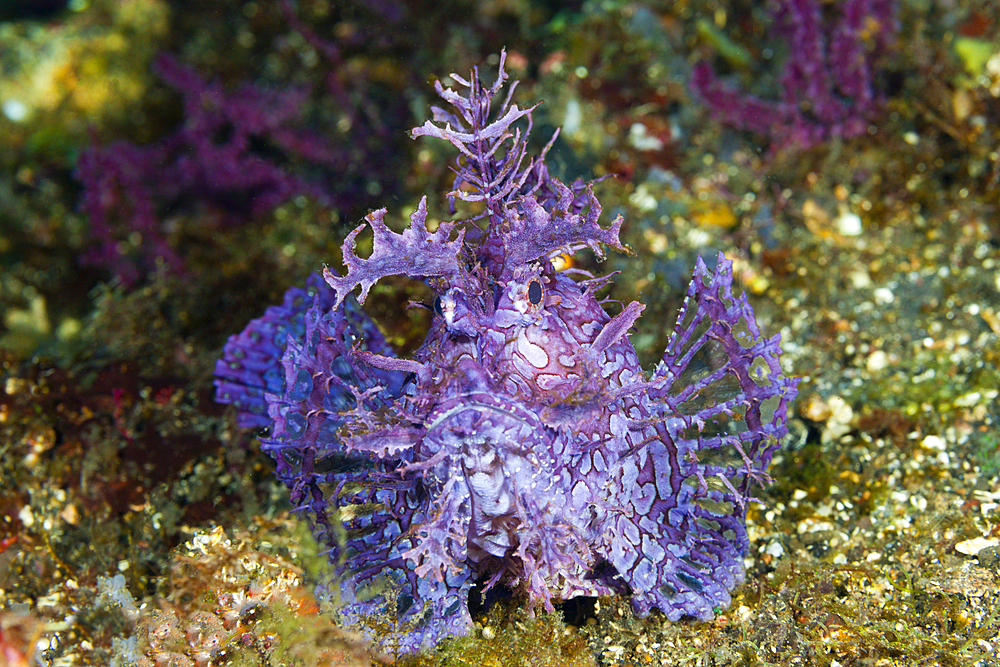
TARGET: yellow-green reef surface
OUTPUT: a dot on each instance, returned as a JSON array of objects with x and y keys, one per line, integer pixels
[{"x": 168, "y": 168}]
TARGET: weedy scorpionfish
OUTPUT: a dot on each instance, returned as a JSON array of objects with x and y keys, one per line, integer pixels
[{"x": 522, "y": 444}]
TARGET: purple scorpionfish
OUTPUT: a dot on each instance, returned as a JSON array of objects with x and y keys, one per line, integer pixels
[{"x": 522, "y": 445}]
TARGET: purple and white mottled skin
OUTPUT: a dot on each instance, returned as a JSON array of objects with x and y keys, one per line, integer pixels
[{"x": 522, "y": 444}]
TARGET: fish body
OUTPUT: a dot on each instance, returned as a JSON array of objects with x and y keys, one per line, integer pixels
[{"x": 522, "y": 444}]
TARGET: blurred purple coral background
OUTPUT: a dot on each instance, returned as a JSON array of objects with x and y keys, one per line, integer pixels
[
  {"x": 236, "y": 155},
  {"x": 830, "y": 85}
]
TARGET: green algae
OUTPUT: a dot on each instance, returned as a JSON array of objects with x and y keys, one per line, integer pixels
[{"x": 508, "y": 636}]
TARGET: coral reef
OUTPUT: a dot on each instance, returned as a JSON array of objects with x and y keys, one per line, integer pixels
[{"x": 876, "y": 258}]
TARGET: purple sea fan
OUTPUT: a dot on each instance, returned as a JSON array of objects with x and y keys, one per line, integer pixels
[
  {"x": 227, "y": 160},
  {"x": 522, "y": 444},
  {"x": 829, "y": 87}
]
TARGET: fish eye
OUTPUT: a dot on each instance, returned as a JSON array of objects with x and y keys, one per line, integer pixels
[
  {"x": 437, "y": 307},
  {"x": 535, "y": 292}
]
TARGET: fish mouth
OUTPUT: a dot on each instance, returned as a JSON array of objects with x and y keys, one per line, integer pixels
[{"x": 512, "y": 414}]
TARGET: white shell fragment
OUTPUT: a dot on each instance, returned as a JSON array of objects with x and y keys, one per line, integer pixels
[{"x": 975, "y": 545}]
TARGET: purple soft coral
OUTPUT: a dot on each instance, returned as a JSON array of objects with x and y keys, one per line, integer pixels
[
  {"x": 829, "y": 85},
  {"x": 221, "y": 159},
  {"x": 522, "y": 444}
]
